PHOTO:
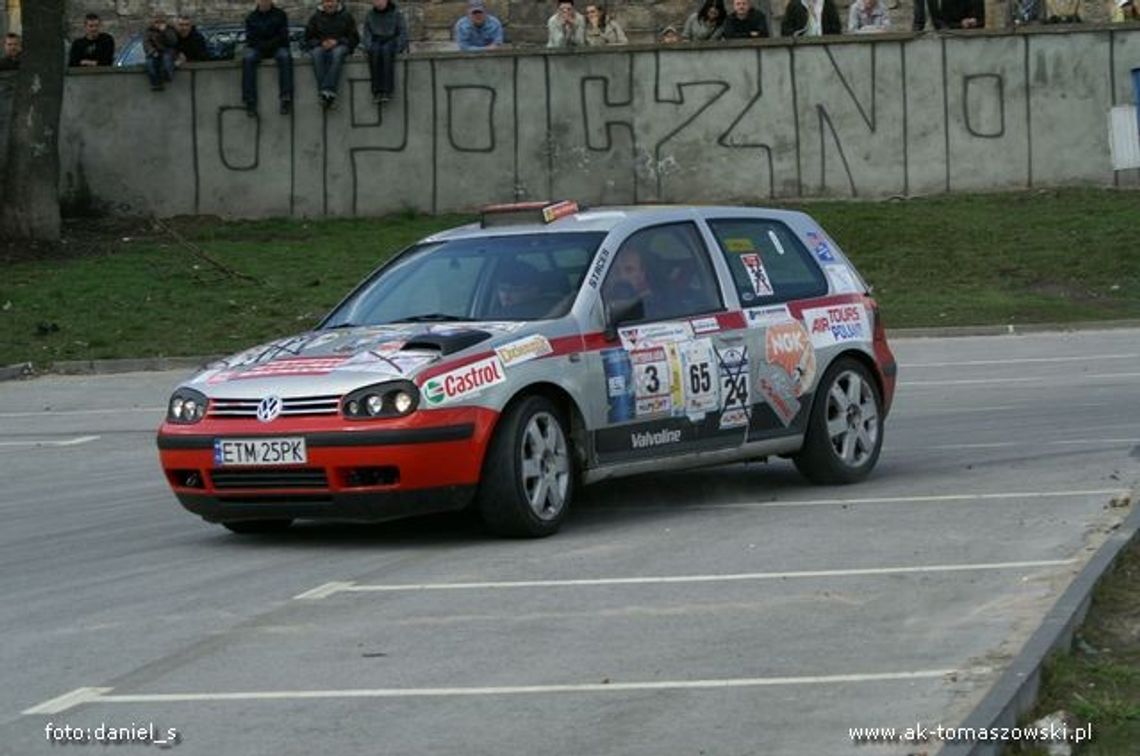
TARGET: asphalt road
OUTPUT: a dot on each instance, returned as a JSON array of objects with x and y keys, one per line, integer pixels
[{"x": 734, "y": 610}]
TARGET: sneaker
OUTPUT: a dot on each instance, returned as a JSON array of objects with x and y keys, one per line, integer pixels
[
  {"x": 332, "y": 101},
  {"x": 251, "y": 109},
  {"x": 286, "y": 107},
  {"x": 378, "y": 98},
  {"x": 385, "y": 98},
  {"x": 156, "y": 87}
]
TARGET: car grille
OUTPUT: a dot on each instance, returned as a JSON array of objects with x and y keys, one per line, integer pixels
[
  {"x": 233, "y": 480},
  {"x": 306, "y": 405}
]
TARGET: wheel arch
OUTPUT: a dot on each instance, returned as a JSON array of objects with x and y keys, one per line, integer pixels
[{"x": 572, "y": 413}]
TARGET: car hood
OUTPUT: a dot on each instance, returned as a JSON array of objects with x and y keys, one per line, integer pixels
[{"x": 341, "y": 359}]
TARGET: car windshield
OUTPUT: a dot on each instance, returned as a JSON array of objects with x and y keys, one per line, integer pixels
[{"x": 524, "y": 277}]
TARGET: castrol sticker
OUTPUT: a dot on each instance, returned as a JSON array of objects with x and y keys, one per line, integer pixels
[
  {"x": 464, "y": 381},
  {"x": 839, "y": 324}
]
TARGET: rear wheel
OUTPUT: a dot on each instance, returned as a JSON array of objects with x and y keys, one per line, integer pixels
[
  {"x": 845, "y": 429},
  {"x": 528, "y": 476},
  {"x": 257, "y": 526}
]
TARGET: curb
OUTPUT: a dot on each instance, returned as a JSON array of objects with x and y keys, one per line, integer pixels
[
  {"x": 151, "y": 364},
  {"x": 1016, "y": 690}
]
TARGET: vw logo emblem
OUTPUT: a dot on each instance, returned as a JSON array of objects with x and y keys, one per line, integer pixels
[{"x": 268, "y": 408}]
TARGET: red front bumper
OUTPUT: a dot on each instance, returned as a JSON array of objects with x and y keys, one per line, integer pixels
[{"x": 355, "y": 470}]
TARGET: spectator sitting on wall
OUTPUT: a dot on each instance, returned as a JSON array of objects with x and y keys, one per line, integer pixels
[
  {"x": 669, "y": 36},
  {"x": 964, "y": 14},
  {"x": 810, "y": 18},
  {"x": 478, "y": 30},
  {"x": 95, "y": 47},
  {"x": 1022, "y": 12},
  {"x": 13, "y": 47},
  {"x": 385, "y": 34},
  {"x": 191, "y": 42},
  {"x": 920, "y": 8},
  {"x": 745, "y": 21},
  {"x": 266, "y": 36},
  {"x": 707, "y": 23},
  {"x": 870, "y": 16},
  {"x": 600, "y": 30},
  {"x": 331, "y": 37},
  {"x": 160, "y": 43},
  {"x": 1125, "y": 10},
  {"x": 566, "y": 28},
  {"x": 1062, "y": 11}
]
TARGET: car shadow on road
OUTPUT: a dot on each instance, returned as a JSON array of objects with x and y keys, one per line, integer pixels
[{"x": 647, "y": 499}]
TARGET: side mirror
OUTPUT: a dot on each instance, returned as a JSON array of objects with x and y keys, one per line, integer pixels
[{"x": 624, "y": 311}]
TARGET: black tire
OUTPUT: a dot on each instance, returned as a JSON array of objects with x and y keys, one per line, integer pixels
[
  {"x": 248, "y": 527},
  {"x": 843, "y": 441},
  {"x": 528, "y": 500}
]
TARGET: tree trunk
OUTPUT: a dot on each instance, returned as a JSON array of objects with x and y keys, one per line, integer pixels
[{"x": 30, "y": 198}]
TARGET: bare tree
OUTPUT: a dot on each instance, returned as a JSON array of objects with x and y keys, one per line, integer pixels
[{"x": 30, "y": 197}]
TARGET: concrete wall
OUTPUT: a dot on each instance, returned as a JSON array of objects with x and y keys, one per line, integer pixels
[{"x": 854, "y": 118}]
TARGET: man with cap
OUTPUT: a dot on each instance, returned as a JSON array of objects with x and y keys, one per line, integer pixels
[{"x": 478, "y": 30}]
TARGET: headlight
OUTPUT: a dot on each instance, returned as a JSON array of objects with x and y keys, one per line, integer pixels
[
  {"x": 392, "y": 399},
  {"x": 187, "y": 406}
]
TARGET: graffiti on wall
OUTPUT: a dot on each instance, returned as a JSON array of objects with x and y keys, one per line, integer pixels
[{"x": 852, "y": 119}]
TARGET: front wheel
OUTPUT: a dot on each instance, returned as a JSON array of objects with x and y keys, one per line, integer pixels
[
  {"x": 528, "y": 476},
  {"x": 845, "y": 429}
]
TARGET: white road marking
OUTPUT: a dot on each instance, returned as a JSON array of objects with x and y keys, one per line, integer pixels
[
  {"x": 56, "y": 413},
  {"x": 934, "y": 498},
  {"x": 323, "y": 591},
  {"x": 100, "y": 695},
  {"x": 1020, "y": 361},
  {"x": 68, "y": 701},
  {"x": 1007, "y": 444},
  {"x": 674, "y": 579},
  {"x": 67, "y": 442},
  {"x": 1053, "y": 380}
]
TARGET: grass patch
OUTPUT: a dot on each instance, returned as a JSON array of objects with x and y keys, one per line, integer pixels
[
  {"x": 1099, "y": 682},
  {"x": 1048, "y": 256}
]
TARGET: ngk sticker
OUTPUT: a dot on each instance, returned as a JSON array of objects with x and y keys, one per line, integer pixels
[
  {"x": 464, "y": 381},
  {"x": 837, "y": 325},
  {"x": 788, "y": 345}
]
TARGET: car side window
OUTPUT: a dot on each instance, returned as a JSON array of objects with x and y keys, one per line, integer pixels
[
  {"x": 666, "y": 269},
  {"x": 768, "y": 262}
]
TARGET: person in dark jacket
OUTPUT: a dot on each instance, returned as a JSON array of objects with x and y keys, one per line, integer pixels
[
  {"x": 191, "y": 42},
  {"x": 385, "y": 34},
  {"x": 964, "y": 14},
  {"x": 810, "y": 18},
  {"x": 160, "y": 43},
  {"x": 745, "y": 21},
  {"x": 13, "y": 48},
  {"x": 266, "y": 36},
  {"x": 331, "y": 37},
  {"x": 94, "y": 48}
]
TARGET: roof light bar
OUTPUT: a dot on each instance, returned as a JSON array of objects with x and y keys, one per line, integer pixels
[{"x": 526, "y": 213}]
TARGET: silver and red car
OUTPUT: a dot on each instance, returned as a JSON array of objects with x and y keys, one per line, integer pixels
[{"x": 505, "y": 363}]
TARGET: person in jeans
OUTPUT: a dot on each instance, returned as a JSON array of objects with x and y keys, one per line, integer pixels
[
  {"x": 385, "y": 34},
  {"x": 160, "y": 43},
  {"x": 331, "y": 37},
  {"x": 266, "y": 36}
]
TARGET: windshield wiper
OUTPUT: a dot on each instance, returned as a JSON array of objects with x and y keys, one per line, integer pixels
[
  {"x": 339, "y": 325},
  {"x": 433, "y": 317}
]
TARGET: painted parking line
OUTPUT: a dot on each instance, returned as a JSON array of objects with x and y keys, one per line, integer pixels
[
  {"x": 104, "y": 696},
  {"x": 107, "y": 411},
  {"x": 1050, "y": 380},
  {"x": 328, "y": 589},
  {"x": 1020, "y": 361},
  {"x": 929, "y": 499},
  {"x": 65, "y": 442}
]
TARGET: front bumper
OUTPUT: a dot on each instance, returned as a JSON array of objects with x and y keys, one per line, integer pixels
[{"x": 358, "y": 471}]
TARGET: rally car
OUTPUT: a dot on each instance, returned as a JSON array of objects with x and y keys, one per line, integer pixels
[{"x": 505, "y": 363}]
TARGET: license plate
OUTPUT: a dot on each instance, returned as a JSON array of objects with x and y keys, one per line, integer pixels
[{"x": 231, "y": 452}]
